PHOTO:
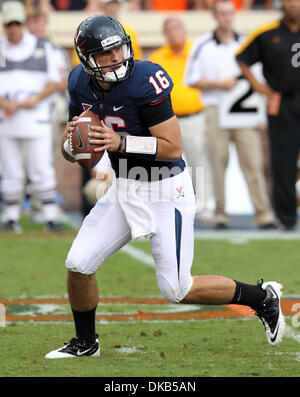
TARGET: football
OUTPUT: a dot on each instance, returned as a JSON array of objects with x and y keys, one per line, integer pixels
[{"x": 80, "y": 141}]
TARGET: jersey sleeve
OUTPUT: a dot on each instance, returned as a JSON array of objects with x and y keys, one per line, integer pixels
[
  {"x": 75, "y": 108},
  {"x": 156, "y": 113},
  {"x": 154, "y": 84},
  {"x": 249, "y": 51}
]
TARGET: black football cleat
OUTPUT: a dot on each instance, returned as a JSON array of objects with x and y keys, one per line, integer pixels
[
  {"x": 76, "y": 348},
  {"x": 221, "y": 226},
  {"x": 270, "y": 314},
  {"x": 11, "y": 227},
  {"x": 53, "y": 226},
  {"x": 268, "y": 226}
]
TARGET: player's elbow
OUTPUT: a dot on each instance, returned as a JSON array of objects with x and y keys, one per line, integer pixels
[
  {"x": 171, "y": 153},
  {"x": 176, "y": 148},
  {"x": 175, "y": 152}
]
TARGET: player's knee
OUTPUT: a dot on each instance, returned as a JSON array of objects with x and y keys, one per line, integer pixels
[
  {"x": 72, "y": 266},
  {"x": 82, "y": 266},
  {"x": 173, "y": 291}
]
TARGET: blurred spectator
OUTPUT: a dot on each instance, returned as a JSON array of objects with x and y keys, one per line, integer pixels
[
  {"x": 238, "y": 4},
  {"x": 241, "y": 5},
  {"x": 27, "y": 81},
  {"x": 37, "y": 22},
  {"x": 69, "y": 5},
  {"x": 27, "y": 3},
  {"x": 188, "y": 108},
  {"x": 212, "y": 68},
  {"x": 276, "y": 46},
  {"x": 261, "y": 4}
]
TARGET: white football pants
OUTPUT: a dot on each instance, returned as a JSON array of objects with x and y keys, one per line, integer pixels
[
  {"x": 169, "y": 222},
  {"x": 21, "y": 158}
]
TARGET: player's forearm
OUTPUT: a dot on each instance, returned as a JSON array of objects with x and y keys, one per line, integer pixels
[
  {"x": 169, "y": 145},
  {"x": 247, "y": 73},
  {"x": 163, "y": 144},
  {"x": 167, "y": 150},
  {"x": 206, "y": 85},
  {"x": 33, "y": 100},
  {"x": 156, "y": 148},
  {"x": 257, "y": 86}
]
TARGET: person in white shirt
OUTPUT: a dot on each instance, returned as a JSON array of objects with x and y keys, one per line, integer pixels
[
  {"x": 27, "y": 81},
  {"x": 212, "y": 68}
]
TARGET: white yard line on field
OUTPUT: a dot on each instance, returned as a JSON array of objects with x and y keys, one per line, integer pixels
[
  {"x": 245, "y": 235},
  {"x": 233, "y": 237},
  {"x": 291, "y": 333},
  {"x": 138, "y": 254}
]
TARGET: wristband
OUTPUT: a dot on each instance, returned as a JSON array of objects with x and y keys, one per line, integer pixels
[
  {"x": 141, "y": 144},
  {"x": 121, "y": 143}
]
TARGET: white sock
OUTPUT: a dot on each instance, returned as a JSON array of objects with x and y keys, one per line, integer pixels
[
  {"x": 50, "y": 212},
  {"x": 11, "y": 212}
]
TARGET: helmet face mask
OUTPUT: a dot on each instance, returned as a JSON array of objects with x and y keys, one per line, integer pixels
[{"x": 97, "y": 36}]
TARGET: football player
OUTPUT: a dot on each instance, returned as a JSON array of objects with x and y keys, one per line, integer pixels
[{"x": 152, "y": 194}]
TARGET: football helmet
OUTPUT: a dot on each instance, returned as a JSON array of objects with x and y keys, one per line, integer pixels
[{"x": 97, "y": 35}]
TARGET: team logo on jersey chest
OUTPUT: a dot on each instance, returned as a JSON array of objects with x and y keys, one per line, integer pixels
[
  {"x": 276, "y": 39},
  {"x": 86, "y": 106}
]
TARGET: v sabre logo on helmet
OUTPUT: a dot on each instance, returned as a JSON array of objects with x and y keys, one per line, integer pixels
[{"x": 77, "y": 36}]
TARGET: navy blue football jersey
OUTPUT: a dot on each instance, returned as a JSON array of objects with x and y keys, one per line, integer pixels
[{"x": 120, "y": 108}]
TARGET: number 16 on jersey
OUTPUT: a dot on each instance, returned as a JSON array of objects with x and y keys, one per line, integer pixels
[{"x": 159, "y": 82}]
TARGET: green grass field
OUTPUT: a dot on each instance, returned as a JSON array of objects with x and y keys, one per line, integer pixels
[{"x": 32, "y": 267}]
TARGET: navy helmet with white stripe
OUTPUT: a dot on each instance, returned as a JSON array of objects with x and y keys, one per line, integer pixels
[{"x": 97, "y": 35}]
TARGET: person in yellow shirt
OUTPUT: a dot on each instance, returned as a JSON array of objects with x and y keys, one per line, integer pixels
[
  {"x": 188, "y": 107},
  {"x": 111, "y": 8}
]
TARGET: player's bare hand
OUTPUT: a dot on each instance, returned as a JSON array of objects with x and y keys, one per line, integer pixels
[
  {"x": 104, "y": 137},
  {"x": 72, "y": 124},
  {"x": 69, "y": 128}
]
